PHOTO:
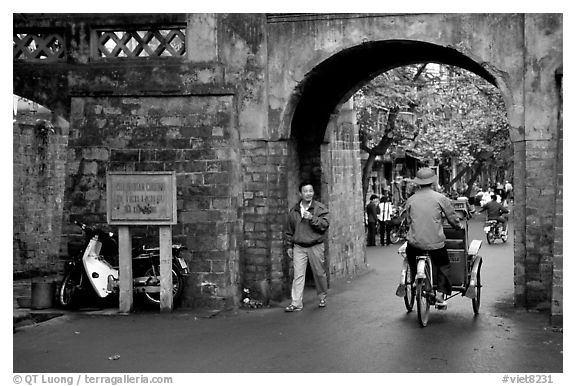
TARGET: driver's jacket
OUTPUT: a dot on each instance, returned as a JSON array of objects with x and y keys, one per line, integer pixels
[{"x": 425, "y": 209}]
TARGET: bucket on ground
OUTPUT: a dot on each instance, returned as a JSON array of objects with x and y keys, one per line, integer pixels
[{"x": 42, "y": 293}]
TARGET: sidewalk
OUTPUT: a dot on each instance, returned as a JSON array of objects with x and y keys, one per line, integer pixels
[{"x": 23, "y": 314}]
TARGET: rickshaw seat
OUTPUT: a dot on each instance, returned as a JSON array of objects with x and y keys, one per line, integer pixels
[
  {"x": 454, "y": 234},
  {"x": 455, "y": 244}
]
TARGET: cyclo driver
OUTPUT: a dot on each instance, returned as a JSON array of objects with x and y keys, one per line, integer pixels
[{"x": 424, "y": 211}]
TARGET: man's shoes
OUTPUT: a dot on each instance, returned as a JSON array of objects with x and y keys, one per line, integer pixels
[
  {"x": 322, "y": 303},
  {"x": 440, "y": 302},
  {"x": 292, "y": 308},
  {"x": 443, "y": 306}
]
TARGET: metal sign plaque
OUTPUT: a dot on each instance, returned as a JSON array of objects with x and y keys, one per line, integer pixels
[{"x": 141, "y": 198}]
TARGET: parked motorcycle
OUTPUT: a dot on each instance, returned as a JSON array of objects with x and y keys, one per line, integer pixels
[
  {"x": 91, "y": 273},
  {"x": 495, "y": 230},
  {"x": 399, "y": 226}
]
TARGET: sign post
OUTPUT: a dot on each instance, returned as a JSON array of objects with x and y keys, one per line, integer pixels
[
  {"x": 142, "y": 198},
  {"x": 125, "y": 269}
]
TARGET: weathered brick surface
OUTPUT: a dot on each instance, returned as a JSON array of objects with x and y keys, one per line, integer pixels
[
  {"x": 190, "y": 135},
  {"x": 341, "y": 157},
  {"x": 264, "y": 210},
  {"x": 38, "y": 187},
  {"x": 558, "y": 248}
]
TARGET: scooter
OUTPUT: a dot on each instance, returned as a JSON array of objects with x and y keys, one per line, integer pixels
[
  {"x": 399, "y": 230},
  {"x": 91, "y": 273},
  {"x": 494, "y": 230}
]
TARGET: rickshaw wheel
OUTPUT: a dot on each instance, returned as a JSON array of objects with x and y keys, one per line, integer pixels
[
  {"x": 422, "y": 303},
  {"x": 410, "y": 293},
  {"x": 476, "y": 301}
]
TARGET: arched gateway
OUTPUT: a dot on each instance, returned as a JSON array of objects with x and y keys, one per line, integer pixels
[{"x": 242, "y": 106}]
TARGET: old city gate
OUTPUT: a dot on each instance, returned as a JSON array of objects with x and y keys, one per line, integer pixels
[{"x": 242, "y": 106}]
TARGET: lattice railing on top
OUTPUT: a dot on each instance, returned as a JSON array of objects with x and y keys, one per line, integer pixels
[
  {"x": 159, "y": 42},
  {"x": 39, "y": 46}
]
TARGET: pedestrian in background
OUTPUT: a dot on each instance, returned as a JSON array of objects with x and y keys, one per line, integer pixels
[
  {"x": 385, "y": 208},
  {"x": 372, "y": 216},
  {"x": 508, "y": 192},
  {"x": 305, "y": 236},
  {"x": 397, "y": 196}
]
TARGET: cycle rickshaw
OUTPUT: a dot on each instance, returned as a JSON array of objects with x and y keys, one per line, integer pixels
[{"x": 465, "y": 265}]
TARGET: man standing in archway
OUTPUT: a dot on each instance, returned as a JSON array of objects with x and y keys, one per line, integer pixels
[{"x": 305, "y": 236}]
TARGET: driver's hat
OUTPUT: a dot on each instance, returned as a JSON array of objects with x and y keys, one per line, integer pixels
[{"x": 425, "y": 176}]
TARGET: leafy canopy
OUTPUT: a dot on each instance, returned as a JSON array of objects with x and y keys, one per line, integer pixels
[{"x": 435, "y": 111}]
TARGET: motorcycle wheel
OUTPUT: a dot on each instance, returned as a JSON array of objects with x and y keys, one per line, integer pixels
[
  {"x": 68, "y": 292},
  {"x": 177, "y": 283},
  {"x": 394, "y": 236},
  {"x": 490, "y": 237}
]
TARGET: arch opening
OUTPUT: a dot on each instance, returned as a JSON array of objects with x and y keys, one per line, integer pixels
[
  {"x": 327, "y": 153},
  {"x": 337, "y": 78}
]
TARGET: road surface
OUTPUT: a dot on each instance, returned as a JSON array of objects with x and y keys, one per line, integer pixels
[{"x": 364, "y": 328}]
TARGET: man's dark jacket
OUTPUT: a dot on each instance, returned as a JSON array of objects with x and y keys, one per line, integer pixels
[
  {"x": 307, "y": 233},
  {"x": 372, "y": 212},
  {"x": 493, "y": 209}
]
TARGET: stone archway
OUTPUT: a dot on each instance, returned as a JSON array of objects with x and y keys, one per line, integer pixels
[
  {"x": 324, "y": 133},
  {"x": 268, "y": 73}
]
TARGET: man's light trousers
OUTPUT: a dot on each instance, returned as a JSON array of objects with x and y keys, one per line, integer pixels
[{"x": 314, "y": 254}]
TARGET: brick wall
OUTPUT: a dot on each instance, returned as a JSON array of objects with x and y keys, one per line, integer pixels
[
  {"x": 343, "y": 183},
  {"x": 39, "y": 156},
  {"x": 558, "y": 276},
  {"x": 264, "y": 209},
  {"x": 540, "y": 211},
  {"x": 192, "y": 135}
]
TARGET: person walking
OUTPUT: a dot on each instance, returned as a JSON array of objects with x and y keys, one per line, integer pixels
[
  {"x": 385, "y": 210},
  {"x": 508, "y": 192},
  {"x": 397, "y": 196},
  {"x": 424, "y": 215},
  {"x": 372, "y": 217},
  {"x": 305, "y": 236}
]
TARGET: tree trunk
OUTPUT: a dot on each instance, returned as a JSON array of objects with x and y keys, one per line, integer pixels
[
  {"x": 458, "y": 176},
  {"x": 474, "y": 177},
  {"x": 366, "y": 173}
]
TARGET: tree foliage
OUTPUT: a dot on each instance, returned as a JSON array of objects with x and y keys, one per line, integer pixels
[{"x": 437, "y": 112}]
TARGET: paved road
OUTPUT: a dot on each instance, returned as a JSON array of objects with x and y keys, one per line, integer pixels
[{"x": 365, "y": 328}]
